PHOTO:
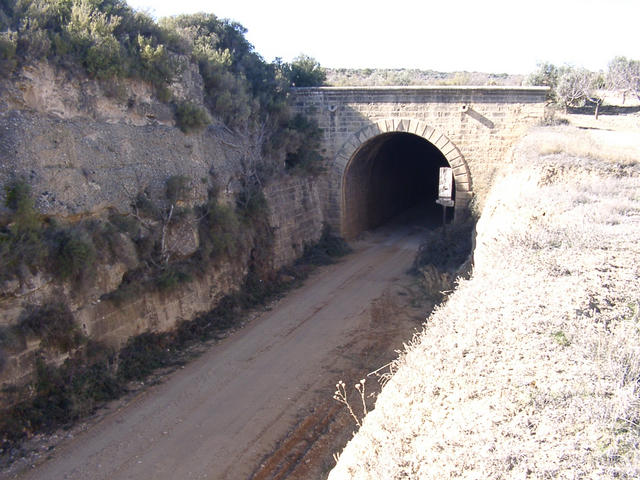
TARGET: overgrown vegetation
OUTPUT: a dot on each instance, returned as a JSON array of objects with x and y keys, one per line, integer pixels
[
  {"x": 29, "y": 243},
  {"x": 329, "y": 247},
  {"x": 442, "y": 257},
  {"x": 110, "y": 41},
  {"x": 59, "y": 396},
  {"x": 95, "y": 374},
  {"x": 190, "y": 117},
  {"x": 574, "y": 87}
]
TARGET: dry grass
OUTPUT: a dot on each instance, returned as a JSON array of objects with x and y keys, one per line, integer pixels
[
  {"x": 532, "y": 368},
  {"x": 613, "y": 139}
]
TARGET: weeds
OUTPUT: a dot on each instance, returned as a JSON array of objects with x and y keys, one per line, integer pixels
[
  {"x": 143, "y": 354},
  {"x": 326, "y": 250},
  {"x": 73, "y": 254},
  {"x": 171, "y": 277},
  {"x": 94, "y": 374},
  {"x": 53, "y": 324},
  {"x": 560, "y": 338},
  {"x": 59, "y": 396},
  {"x": 29, "y": 243},
  {"x": 446, "y": 247},
  {"x": 340, "y": 395},
  {"x": 219, "y": 231}
]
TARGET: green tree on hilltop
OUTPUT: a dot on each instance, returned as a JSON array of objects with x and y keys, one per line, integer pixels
[{"x": 305, "y": 71}]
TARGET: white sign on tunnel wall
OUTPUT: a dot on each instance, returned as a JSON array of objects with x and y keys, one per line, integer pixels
[{"x": 445, "y": 188}]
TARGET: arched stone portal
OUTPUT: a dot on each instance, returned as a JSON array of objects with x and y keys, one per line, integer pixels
[{"x": 393, "y": 166}]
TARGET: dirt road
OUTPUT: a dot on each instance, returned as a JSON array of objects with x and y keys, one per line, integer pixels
[{"x": 220, "y": 415}]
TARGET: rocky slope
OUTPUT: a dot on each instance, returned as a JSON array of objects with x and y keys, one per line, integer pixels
[{"x": 99, "y": 152}]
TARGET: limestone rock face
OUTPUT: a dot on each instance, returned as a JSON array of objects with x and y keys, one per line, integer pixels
[{"x": 89, "y": 150}]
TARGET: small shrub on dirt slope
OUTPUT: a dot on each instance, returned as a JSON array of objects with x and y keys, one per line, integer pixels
[
  {"x": 446, "y": 248},
  {"x": 59, "y": 396},
  {"x": 219, "y": 231},
  {"x": 191, "y": 118},
  {"x": 53, "y": 323},
  {"x": 304, "y": 138},
  {"x": 73, "y": 254},
  {"x": 143, "y": 354},
  {"x": 171, "y": 277},
  {"x": 326, "y": 250},
  {"x": 21, "y": 241}
]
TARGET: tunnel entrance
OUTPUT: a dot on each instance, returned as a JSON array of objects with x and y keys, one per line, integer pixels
[{"x": 389, "y": 175}]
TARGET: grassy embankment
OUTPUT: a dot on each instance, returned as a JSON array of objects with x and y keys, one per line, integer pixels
[{"x": 532, "y": 367}]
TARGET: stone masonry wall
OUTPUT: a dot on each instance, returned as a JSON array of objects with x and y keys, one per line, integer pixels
[{"x": 482, "y": 122}]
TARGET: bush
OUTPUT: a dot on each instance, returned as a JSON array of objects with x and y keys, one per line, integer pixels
[
  {"x": 171, "y": 277},
  {"x": 219, "y": 231},
  {"x": 143, "y": 354},
  {"x": 304, "y": 154},
  {"x": 73, "y": 255},
  {"x": 326, "y": 250},
  {"x": 190, "y": 117},
  {"x": 62, "y": 395},
  {"x": 22, "y": 242},
  {"x": 446, "y": 248},
  {"x": 178, "y": 189},
  {"x": 306, "y": 71},
  {"x": 252, "y": 204},
  {"x": 8, "y": 45},
  {"x": 53, "y": 323}
]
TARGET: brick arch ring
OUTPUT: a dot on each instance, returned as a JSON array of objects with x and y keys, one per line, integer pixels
[{"x": 461, "y": 174}]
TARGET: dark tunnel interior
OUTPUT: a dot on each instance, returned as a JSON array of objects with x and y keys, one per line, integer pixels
[{"x": 392, "y": 175}]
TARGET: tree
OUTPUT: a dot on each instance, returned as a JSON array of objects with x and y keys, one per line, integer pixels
[
  {"x": 578, "y": 85},
  {"x": 624, "y": 76},
  {"x": 571, "y": 87},
  {"x": 546, "y": 76},
  {"x": 306, "y": 71}
]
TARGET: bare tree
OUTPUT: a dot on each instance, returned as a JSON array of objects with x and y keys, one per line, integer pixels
[
  {"x": 579, "y": 85},
  {"x": 572, "y": 83},
  {"x": 624, "y": 76}
]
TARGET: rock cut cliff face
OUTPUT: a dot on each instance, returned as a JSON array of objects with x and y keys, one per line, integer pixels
[
  {"x": 88, "y": 149},
  {"x": 83, "y": 151}
]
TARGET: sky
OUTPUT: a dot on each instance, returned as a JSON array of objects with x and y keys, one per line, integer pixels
[{"x": 496, "y": 36}]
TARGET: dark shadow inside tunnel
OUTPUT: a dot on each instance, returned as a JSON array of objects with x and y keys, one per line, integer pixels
[{"x": 388, "y": 177}]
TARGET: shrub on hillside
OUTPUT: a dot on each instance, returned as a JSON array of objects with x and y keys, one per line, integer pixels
[
  {"x": 305, "y": 140},
  {"x": 219, "y": 231},
  {"x": 53, "y": 324},
  {"x": 446, "y": 248},
  {"x": 178, "y": 188},
  {"x": 190, "y": 117},
  {"x": 325, "y": 250},
  {"x": 8, "y": 45},
  {"x": 22, "y": 241},
  {"x": 73, "y": 254}
]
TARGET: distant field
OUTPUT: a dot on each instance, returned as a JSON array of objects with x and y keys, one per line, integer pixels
[{"x": 388, "y": 77}]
